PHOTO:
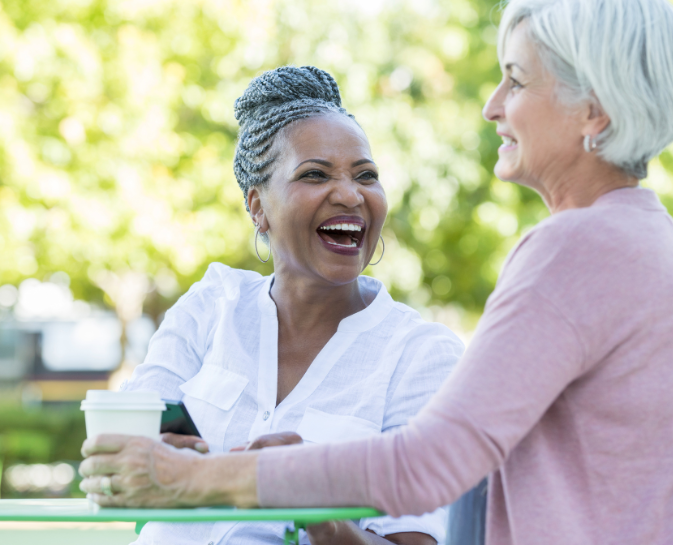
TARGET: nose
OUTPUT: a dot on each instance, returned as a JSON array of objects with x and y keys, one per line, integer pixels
[
  {"x": 346, "y": 192},
  {"x": 494, "y": 108}
]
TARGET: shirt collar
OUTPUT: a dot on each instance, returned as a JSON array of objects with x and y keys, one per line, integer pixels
[
  {"x": 367, "y": 318},
  {"x": 372, "y": 315}
]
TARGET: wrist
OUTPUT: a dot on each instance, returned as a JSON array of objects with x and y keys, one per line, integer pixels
[
  {"x": 196, "y": 487},
  {"x": 223, "y": 479}
]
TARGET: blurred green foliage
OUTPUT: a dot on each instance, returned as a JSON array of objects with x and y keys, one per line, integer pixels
[
  {"x": 40, "y": 436},
  {"x": 117, "y": 135}
]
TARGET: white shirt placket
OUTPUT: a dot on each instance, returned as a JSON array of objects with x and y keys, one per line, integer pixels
[{"x": 267, "y": 377}]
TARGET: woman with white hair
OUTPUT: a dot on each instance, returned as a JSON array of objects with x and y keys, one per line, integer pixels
[{"x": 564, "y": 395}]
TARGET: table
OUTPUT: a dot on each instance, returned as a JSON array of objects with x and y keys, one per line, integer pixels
[{"x": 79, "y": 510}]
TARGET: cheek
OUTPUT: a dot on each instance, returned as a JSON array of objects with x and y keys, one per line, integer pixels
[
  {"x": 378, "y": 205},
  {"x": 533, "y": 130},
  {"x": 290, "y": 206}
]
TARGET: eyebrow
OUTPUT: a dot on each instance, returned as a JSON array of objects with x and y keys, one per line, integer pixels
[
  {"x": 330, "y": 165},
  {"x": 511, "y": 65}
]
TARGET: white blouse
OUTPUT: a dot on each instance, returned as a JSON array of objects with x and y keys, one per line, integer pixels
[{"x": 217, "y": 350}]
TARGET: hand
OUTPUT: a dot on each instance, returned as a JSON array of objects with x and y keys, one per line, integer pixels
[
  {"x": 271, "y": 440},
  {"x": 143, "y": 472},
  {"x": 323, "y": 532},
  {"x": 185, "y": 441}
]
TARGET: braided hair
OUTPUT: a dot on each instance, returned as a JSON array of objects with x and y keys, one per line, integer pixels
[{"x": 271, "y": 102}]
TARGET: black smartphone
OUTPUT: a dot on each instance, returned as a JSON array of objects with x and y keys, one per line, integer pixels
[{"x": 176, "y": 419}]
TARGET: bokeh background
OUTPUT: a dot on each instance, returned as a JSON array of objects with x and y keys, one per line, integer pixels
[{"x": 116, "y": 185}]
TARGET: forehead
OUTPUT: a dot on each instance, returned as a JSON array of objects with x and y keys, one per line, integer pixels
[
  {"x": 519, "y": 52},
  {"x": 325, "y": 136}
]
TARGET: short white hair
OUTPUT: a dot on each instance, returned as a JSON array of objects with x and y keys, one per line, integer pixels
[{"x": 619, "y": 52}]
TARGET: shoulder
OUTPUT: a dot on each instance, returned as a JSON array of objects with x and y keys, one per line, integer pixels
[
  {"x": 618, "y": 223},
  {"x": 568, "y": 230},
  {"x": 424, "y": 354},
  {"x": 579, "y": 240},
  {"x": 416, "y": 335},
  {"x": 221, "y": 281},
  {"x": 587, "y": 259},
  {"x": 399, "y": 322}
]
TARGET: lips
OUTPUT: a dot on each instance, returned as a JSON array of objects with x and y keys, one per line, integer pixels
[
  {"x": 342, "y": 234},
  {"x": 508, "y": 142}
]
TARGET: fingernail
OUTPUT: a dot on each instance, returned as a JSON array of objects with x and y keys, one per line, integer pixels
[{"x": 201, "y": 447}]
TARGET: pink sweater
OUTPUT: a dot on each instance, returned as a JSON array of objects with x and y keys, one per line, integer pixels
[{"x": 565, "y": 396}]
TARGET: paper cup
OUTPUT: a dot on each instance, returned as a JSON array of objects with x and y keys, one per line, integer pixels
[{"x": 126, "y": 413}]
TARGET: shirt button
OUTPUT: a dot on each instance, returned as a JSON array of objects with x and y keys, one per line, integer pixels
[
  {"x": 211, "y": 543},
  {"x": 266, "y": 415}
]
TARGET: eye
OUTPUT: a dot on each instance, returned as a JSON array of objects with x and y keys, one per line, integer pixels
[
  {"x": 514, "y": 84},
  {"x": 368, "y": 176},
  {"x": 314, "y": 174}
]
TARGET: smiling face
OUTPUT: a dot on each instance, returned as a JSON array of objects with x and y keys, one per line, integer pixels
[
  {"x": 323, "y": 206},
  {"x": 542, "y": 138}
]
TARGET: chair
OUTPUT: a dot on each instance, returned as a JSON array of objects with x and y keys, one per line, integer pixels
[{"x": 467, "y": 517}]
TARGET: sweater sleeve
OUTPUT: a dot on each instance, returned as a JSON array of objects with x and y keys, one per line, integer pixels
[{"x": 523, "y": 355}]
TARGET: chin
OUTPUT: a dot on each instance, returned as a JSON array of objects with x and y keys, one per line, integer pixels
[
  {"x": 340, "y": 275},
  {"x": 505, "y": 172}
]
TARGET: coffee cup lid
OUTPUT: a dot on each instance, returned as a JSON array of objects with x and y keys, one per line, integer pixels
[{"x": 123, "y": 401}]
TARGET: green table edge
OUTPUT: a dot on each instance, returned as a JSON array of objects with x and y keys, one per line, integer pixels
[{"x": 81, "y": 513}]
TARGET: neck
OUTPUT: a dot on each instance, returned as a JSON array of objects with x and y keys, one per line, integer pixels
[
  {"x": 304, "y": 304},
  {"x": 582, "y": 186}
]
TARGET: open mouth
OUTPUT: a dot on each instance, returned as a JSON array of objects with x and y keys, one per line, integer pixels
[{"x": 343, "y": 232}]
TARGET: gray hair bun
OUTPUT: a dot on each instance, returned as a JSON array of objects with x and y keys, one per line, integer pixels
[{"x": 272, "y": 101}]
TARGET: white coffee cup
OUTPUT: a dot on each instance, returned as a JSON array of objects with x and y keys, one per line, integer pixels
[{"x": 126, "y": 413}]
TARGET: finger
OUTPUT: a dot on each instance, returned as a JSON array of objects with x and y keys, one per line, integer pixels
[
  {"x": 275, "y": 440},
  {"x": 328, "y": 528},
  {"x": 185, "y": 441},
  {"x": 257, "y": 444},
  {"x": 105, "y": 443},
  {"x": 93, "y": 485},
  {"x": 292, "y": 438},
  {"x": 108, "y": 501},
  {"x": 88, "y": 485},
  {"x": 264, "y": 442},
  {"x": 100, "y": 464},
  {"x": 240, "y": 448}
]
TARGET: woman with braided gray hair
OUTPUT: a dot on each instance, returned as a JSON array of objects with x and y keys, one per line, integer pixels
[{"x": 315, "y": 352}]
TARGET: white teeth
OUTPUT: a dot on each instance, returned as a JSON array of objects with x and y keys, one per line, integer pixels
[
  {"x": 508, "y": 140},
  {"x": 352, "y": 245},
  {"x": 342, "y": 227}
]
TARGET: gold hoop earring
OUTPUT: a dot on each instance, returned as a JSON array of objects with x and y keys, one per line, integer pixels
[
  {"x": 383, "y": 252},
  {"x": 256, "y": 250}
]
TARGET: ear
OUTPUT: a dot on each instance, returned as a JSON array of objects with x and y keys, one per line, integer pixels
[
  {"x": 256, "y": 205},
  {"x": 596, "y": 120}
]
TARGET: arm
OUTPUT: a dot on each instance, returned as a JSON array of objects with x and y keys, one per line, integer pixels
[
  {"x": 177, "y": 349},
  {"x": 343, "y": 531},
  {"x": 522, "y": 356},
  {"x": 147, "y": 473}
]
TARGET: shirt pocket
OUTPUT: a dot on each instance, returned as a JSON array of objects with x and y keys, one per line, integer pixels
[
  {"x": 210, "y": 398},
  {"x": 320, "y": 427}
]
